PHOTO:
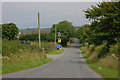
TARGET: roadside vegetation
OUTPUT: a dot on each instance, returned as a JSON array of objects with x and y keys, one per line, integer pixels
[
  {"x": 49, "y": 47},
  {"x": 66, "y": 29},
  {"x": 106, "y": 65},
  {"x": 18, "y": 55},
  {"x": 101, "y": 39}
]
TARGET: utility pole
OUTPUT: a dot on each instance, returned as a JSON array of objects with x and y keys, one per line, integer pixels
[
  {"x": 55, "y": 34},
  {"x": 39, "y": 29}
]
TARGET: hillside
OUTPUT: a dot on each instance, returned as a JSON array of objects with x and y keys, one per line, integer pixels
[{"x": 34, "y": 30}]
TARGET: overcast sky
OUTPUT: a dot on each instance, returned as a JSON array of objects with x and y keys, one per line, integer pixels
[{"x": 24, "y": 14}]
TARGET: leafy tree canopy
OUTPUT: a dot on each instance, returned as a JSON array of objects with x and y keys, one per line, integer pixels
[
  {"x": 66, "y": 29},
  {"x": 9, "y": 31},
  {"x": 105, "y": 21}
]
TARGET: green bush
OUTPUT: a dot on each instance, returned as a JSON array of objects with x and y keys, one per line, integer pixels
[
  {"x": 91, "y": 48},
  {"x": 9, "y": 31},
  {"x": 14, "y": 47},
  {"x": 101, "y": 50},
  {"x": 115, "y": 49},
  {"x": 49, "y": 37},
  {"x": 86, "y": 44},
  {"x": 48, "y": 46},
  {"x": 30, "y": 37},
  {"x": 71, "y": 40}
]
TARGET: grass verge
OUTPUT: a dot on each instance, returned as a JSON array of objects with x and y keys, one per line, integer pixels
[
  {"x": 24, "y": 65},
  {"x": 18, "y": 56},
  {"x": 106, "y": 72},
  {"x": 55, "y": 52}
]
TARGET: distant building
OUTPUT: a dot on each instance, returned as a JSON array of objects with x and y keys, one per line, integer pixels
[{"x": 18, "y": 35}]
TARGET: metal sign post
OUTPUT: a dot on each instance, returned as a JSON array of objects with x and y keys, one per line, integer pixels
[{"x": 59, "y": 41}]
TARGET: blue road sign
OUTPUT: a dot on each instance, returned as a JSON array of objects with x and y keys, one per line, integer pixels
[{"x": 58, "y": 46}]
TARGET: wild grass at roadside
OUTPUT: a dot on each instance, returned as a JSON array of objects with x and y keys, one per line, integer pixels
[
  {"x": 55, "y": 52},
  {"x": 48, "y": 46},
  {"x": 105, "y": 71},
  {"x": 18, "y": 56},
  {"x": 9, "y": 68}
]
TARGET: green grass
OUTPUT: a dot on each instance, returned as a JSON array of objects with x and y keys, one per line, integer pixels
[
  {"x": 18, "y": 56},
  {"x": 54, "y": 52},
  {"x": 106, "y": 72},
  {"x": 14, "y": 47},
  {"x": 49, "y": 48},
  {"x": 24, "y": 65}
]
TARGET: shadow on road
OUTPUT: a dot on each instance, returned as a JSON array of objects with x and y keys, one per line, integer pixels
[
  {"x": 80, "y": 57},
  {"x": 79, "y": 61},
  {"x": 74, "y": 46}
]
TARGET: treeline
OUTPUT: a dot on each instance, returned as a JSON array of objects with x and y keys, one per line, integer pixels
[
  {"x": 104, "y": 28},
  {"x": 48, "y": 37},
  {"x": 66, "y": 29}
]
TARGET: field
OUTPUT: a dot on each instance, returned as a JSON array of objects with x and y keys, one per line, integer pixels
[
  {"x": 25, "y": 30},
  {"x": 30, "y": 30}
]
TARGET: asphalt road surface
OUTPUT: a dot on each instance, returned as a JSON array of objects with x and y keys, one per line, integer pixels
[{"x": 70, "y": 64}]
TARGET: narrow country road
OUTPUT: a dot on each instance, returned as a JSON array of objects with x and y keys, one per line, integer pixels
[{"x": 70, "y": 64}]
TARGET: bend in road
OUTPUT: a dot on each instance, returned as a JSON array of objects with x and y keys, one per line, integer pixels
[{"x": 70, "y": 64}]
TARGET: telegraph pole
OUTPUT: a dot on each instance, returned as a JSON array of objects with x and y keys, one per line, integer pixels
[
  {"x": 55, "y": 34},
  {"x": 39, "y": 29}
]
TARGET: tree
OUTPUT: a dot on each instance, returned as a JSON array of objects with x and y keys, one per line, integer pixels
[
  {"x": 9, "y": 31},
  {"x": 105, "y": 22},
  {"x": 84, "y": 34},
  {"x": 66, "y": 29}
]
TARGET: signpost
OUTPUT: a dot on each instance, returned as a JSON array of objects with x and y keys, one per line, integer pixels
[
  {"x": 59, "y": 40},
  {"x": 59, "y": 35}
]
